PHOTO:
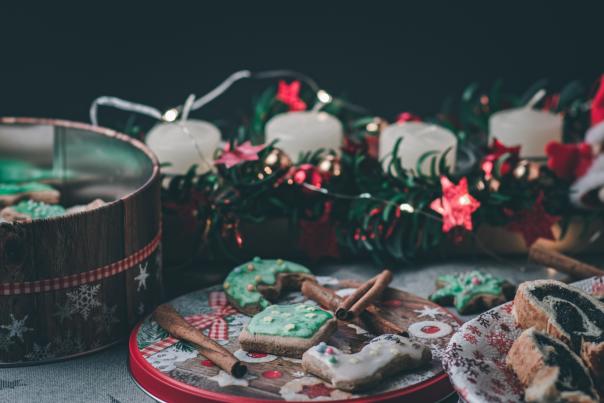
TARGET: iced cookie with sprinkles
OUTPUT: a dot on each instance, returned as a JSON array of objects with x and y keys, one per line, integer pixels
[
  {"x": 11, "y": 193},
  {"x": 287, "y": 330},
  {"x": 31, "y": 210},
  {"x": 251, "y": 286},
  {"x": 472, "y": 292},
  {"x": 384, "y": 356}
]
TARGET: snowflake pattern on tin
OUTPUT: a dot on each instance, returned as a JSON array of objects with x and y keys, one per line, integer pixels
[
  {"x": 475, "y": 356},
  {"x": 84, "y": 299},
  {"x": 16, "y": 328},
  {"x": 142, "y": 276},
  {"x": 40, "y": 352}
]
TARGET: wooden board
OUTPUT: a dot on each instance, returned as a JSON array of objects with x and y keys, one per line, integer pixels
[{"x": 178, "y": 373}]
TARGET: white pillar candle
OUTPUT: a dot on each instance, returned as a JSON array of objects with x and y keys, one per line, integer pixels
[
  {"x": 531, "y": 129},
  {"x": 184, "y": 143},
  {"x": 300, "y": 132},
  {"x": 418, "y": 138}
]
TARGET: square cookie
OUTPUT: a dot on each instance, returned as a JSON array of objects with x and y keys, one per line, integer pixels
[{"x": 287, "y": 330}]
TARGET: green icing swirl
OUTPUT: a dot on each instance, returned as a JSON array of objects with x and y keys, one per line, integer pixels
[
  {"x": 298, "y": 320},
  {"x": 12, "y": 189},
  {"x": 241, "y": 283},
  {"x": 463, "y": 287},
  {"x": 37, "y": 210}
]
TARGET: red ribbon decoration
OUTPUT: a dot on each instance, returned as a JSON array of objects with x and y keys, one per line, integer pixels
[
  {"x": 568, "y": 161},
  {"x": 597, "y": 104},
  {"x": 219, "y": 328}
]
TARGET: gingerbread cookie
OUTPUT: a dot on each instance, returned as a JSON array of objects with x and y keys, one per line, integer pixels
[
  {"x": 12, "y": 193},
  {"x": 384, "y": 356},
  {"x": 472, "y": 292},
  {"x": 31, "y": 210},
  {"x": 249, "y": 287},
  {"x": 549, "y": 370},
  {"x": 287, "y": 330},
  {"x": 567, "y": 313}
]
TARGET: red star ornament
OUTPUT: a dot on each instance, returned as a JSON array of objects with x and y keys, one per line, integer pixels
[
  {"x": 533, "y": 223},
  {"x": 456, "y": 205},
  {"x": 289, "y": 94}
]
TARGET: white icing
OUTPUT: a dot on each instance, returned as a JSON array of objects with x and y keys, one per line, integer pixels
[
  {"x": 224, "y": 379},
  {"x": 371, "y": 359},
  {"x": 357, "y": 329},
  {"x": 245, "y": 357}
]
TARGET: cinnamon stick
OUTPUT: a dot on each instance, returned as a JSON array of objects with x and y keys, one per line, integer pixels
[
  {"x": 563, "y": 263},
  {"x": 167, "y": 317},
  {"x": 342, "y": 310},
  {"x": 381, "y": 283},
  {"x": 372, "y": 319}
]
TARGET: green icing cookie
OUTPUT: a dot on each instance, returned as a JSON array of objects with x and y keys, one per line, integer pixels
[
  {"x": 463, "y": 287},
  {"x": 37, "y": 210},
  {"x": 13, "y": 189},
  {"x": 298, "y": 320},
  {"x": 240, "y": 284}
]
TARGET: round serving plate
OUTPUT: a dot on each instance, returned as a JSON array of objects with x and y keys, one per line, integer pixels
[
  {"x": 170, "y": 370},
  {"x": 475, "y": 356}
]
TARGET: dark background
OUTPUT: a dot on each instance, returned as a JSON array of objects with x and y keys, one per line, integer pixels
[{"x": 56, "y": 60}]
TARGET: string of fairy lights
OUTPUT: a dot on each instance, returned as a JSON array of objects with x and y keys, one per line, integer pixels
[{"x": 322, "y": 98}]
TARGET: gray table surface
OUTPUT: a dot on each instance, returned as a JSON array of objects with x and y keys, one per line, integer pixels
[{"x": 104, "y": 377}]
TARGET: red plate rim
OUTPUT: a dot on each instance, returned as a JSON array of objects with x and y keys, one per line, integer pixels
[{"x": 163, "y": 387}]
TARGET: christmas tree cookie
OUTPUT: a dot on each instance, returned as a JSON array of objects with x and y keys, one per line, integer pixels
[
  {"x": 287, "y": 330},
  {"x": 384, "y": 356},
  {"x": 252, "y": 285},
  {"x": 472, "y": 292},
  {"x": 11, "y": 193}
]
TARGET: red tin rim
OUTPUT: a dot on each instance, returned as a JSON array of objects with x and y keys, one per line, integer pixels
[{"x": 165, "y": 388}]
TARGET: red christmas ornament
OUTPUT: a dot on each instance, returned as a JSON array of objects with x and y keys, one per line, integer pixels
[
  {"x": 318, "y": 238},
  {"x": 597, "y": 104},
  {"x": 456, "y": 205},
  {"x": 496, "y": 150},
  {"x": 533, "y": 223},
  {"x": 241, "y": 153},
  {"x": 569, "y": 161},
  {"x": 407, "y": 117},
  {"x": 308, "y": 173},
  {"x": 289, "y": 94}
]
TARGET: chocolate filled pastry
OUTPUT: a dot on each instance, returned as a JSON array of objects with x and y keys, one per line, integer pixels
[
  {"x": 549, "y": 370},
  {"x": 567, "y": 313}
]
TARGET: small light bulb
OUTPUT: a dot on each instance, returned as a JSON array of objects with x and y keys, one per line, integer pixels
[
  {"x": 406, "y": 207},
  {"x": 464, "y": 200},
  {"x": 365, "y": 196},
  {"x": 324, "y": 97},
  {"x": 170, "y": 115},
  {"x": 372, "y": 127}
]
